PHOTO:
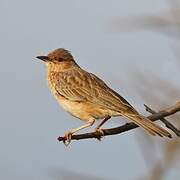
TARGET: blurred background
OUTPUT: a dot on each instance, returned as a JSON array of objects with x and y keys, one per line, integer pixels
[{"x": 133, "y": 45}]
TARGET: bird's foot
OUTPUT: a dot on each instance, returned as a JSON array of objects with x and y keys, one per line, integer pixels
[
  {"x": 99, "y": 132},
  {"x": 67, "y": 138}
]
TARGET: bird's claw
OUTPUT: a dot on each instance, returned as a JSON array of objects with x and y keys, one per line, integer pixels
[
  {"x": 67, "y": 138},
  {"x": 99, "y": 133}
]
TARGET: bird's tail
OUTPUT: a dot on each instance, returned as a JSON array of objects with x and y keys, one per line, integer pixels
[{"x": 148, "y": 125}]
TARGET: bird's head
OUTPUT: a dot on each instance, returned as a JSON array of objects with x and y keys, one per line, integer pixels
[{"x": 57, "y": 56}]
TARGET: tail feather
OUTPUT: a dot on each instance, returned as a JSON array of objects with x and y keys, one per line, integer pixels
[{"x": 148, "y": 125}]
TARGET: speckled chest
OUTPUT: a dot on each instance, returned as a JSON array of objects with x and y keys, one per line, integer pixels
[
  {"x": 52, "y": 80},
  {"x": 74, "y": 108}
]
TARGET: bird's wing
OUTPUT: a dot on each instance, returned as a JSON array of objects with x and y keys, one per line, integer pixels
[{"x": 79, "y": 85}]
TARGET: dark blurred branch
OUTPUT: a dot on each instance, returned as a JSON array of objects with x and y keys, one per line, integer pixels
[
  {"x": 154, "y": 117},
  {"x": 167, "y": 23},
  {"x": 166, "y": 122}
]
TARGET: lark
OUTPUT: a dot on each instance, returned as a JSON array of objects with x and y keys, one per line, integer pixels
[{"x": 87, "y": 97}]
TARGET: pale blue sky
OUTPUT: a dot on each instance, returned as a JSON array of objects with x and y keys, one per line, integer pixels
[{"x": 31, "y": 119}]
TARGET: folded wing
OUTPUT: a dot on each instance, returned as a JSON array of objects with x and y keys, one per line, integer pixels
[{"x": 79, "y": 85}]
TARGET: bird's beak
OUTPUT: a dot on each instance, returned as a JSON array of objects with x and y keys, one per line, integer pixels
[{"x": 43, "y": 58}]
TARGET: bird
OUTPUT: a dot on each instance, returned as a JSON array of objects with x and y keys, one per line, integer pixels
[{"x": 87, "y": 97}]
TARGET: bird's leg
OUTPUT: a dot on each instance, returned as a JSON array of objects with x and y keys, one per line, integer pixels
[
  {"x": 68, "y": 135},
  {"x": 98, "y": 129}
]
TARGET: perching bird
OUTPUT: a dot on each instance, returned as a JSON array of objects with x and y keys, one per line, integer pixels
[{"x": 87, "y": 97}]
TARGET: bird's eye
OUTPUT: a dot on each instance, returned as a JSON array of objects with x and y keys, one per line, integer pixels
[
  {"x": 57, "y": 59},
  {"x": 60, "y": 59}
]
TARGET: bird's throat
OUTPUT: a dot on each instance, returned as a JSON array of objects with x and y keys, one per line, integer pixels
[{"x": 60, "y": 67}]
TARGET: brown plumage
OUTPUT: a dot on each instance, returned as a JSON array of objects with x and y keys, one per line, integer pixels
[{"x": 87, "y": 97}]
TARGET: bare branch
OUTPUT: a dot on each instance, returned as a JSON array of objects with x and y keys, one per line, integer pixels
[
  {"x": 154, "y": 117},
  {"x": 166, "y": 122}
]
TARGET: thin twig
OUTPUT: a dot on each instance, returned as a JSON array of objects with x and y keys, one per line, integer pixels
[
  {"x": 166, "y": 122},
  {"x": 106, "y": 132}
]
